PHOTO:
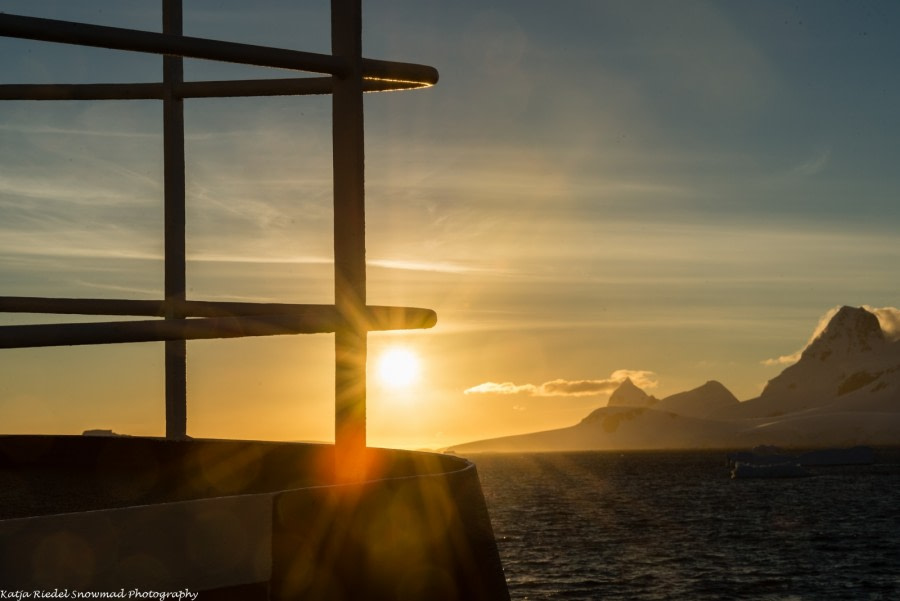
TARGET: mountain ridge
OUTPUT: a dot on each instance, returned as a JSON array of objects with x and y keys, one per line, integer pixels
[
  {"x": 702, "y": 401},
  {"x": 843, "y": 390}
]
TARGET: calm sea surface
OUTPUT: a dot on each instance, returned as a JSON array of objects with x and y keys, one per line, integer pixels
[{"x": 653, "y": 526}]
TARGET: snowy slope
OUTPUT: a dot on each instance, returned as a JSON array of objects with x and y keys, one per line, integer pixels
[{"x": 850, "y": 366}]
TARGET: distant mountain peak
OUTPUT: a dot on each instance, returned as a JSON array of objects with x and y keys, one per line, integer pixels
[
  {"x": 628, "y": 394},
  {"x": 719, "y": 391},
  {"x": 713, "y": 385},
  {"x": 849, "y": 361},
  {"x": 699, "y": 402},
  {"x": 851, "y": 331}
]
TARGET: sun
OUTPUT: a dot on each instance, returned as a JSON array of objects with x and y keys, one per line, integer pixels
[{"x": 398, "y": 367}]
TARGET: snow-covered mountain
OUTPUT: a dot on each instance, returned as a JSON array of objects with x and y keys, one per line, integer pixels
[
  {"x": 843, "y": 390},
  {"x": 850, "y": 365}
]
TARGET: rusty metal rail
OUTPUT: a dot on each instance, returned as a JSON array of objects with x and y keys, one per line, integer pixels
[{"x": 348, "y": 75}]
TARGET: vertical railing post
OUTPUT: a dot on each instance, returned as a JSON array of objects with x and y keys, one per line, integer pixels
[
  {"x": 349, "y": 243},
  {"x": 173, "y": 173}
]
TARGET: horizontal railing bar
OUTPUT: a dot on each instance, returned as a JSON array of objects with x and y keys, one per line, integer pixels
[
  {"x": 304, "y": 86},
  {"x": 298, "y": 86},
  {"x": 72, "y": 334},
  {"x": 380, "y": 317},
  {"x": 210, "y": 320},
  {"x": 399, "y": 72},
  {"x": 117, "y": 332},
  {"x": 99, "y": 36},
  {"x": 81, "y": 306},
  {"x": 148, "y": 308},
  {"x": 83, "y": 34},
  {"x": 97, "y": 91}
]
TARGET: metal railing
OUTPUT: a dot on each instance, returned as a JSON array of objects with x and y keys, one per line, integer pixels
[{"x": 350, "y": 318}]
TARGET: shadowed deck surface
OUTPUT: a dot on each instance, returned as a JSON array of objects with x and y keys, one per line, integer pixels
[
  {"x": 44, "y": 475},
  {"x": 217, "y": 516}
]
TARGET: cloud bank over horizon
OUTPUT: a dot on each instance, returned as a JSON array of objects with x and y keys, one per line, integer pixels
[{"x": 570, "y": 388}]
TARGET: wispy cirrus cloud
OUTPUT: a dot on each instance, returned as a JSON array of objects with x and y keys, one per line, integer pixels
[
  {"x": 431, "y": 266},
  {"x": 814, "y": 164},
  {"x": 501, "y": 388},
  {"x": 572, "y": 388}
]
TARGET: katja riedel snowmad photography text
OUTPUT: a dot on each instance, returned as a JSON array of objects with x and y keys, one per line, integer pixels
[{"x": 180, "y": 595}]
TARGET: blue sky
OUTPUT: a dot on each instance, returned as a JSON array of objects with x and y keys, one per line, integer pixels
[{"x": 676, "y": 189}]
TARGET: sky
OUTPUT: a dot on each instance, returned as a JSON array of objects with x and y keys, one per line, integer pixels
[{"x": 672, "y": 192}]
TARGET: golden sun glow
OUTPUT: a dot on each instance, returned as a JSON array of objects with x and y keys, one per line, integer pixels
[{"x": 398, "y": 367}]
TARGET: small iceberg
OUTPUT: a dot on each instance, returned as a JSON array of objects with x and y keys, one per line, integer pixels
[{"x": 768, "y": 470}]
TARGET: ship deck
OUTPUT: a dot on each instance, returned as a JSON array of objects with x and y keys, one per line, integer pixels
[{"x": 241, "y": 519}]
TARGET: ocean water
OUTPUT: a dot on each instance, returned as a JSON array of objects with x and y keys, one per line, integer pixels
[{"x": 655, "y": 526}]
